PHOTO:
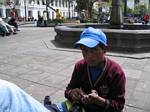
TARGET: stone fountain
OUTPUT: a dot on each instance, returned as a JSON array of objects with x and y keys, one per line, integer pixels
[{"x": 121, "y": 37}]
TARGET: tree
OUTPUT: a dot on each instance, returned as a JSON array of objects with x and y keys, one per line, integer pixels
[
  {"x": 86, "y": 5},
  {"x": 140, "y": 9},
  {"x": 136, "y": 1},
  {"x": 11, "y": 4},
  {"x": 2, "y": 2}
]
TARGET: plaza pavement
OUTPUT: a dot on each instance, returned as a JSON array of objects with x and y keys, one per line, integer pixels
[{"x": 32, "y": 60}]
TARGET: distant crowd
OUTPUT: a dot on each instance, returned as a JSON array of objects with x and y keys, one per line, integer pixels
[
  {"x": 145, "y": 19},
  {"x": 10, "y": 26}
]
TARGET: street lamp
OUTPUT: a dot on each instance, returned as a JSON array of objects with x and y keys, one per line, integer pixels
[
  {"x": 47, "y": 8},
  {"x": 125, "y": 8},
  {"x": 69, "y": 8},
  {"x": 72, "y": 10},
  {"x": 25, "y": 9}
]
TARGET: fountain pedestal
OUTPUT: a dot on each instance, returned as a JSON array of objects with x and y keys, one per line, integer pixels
[
  {"x": 120, "y": 40},
  {"x": 116, "y": 20}
]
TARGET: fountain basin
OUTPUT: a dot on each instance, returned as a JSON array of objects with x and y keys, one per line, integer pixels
[{"x": 131, "y": 38}]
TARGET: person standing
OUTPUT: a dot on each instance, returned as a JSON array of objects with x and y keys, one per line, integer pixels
[
  {"x": 45, "y": 18},
  {"x": 12, "y": 20},
  {"x": 13, "y": 13},
  {"x": 146, "y": 19}
]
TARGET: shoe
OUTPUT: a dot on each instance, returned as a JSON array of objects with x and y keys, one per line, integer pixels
[
  {"x": 47, "y": 100},
  {"x": 14, "y": 33},
  {"x": 7, "y": 34}
]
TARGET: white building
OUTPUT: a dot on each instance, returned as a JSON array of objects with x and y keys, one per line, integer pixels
[
  {"x": 131, "y": 3},
  {"x": 33, "y": 8}
]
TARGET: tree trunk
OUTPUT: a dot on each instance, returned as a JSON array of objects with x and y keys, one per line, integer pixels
[{"x": 90, "y": 12}]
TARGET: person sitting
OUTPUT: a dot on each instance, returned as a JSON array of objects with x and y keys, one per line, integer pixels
[
  {"x": 103, "y": 18},
  {"x": 4, "y": 28},
  {"x": 13, "y": 22},
  {"x": 97, "y": 82},
  {"x": 11, "y": 28}
]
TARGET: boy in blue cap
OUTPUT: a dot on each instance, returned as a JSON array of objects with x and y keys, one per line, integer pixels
[{"x": 97, "y": 82}]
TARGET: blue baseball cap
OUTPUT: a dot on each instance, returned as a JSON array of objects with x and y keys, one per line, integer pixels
[{"x": 91, "y": 37}]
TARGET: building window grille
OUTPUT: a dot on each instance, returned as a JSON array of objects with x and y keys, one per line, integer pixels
[
  {"x": 59, "y": 3},
  {"x": 43, "y": 2},
  {"x": 66, "y": 3},
  {"x": 63, "y": 3},
  {"x": 56, "y": 3},
  {"x": 38, "y": 2}
]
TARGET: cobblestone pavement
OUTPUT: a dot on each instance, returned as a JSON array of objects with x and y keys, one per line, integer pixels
[{"x": 32, "y": 60}]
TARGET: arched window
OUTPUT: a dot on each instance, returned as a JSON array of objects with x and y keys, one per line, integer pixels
[{"x": 53, "y": 15}]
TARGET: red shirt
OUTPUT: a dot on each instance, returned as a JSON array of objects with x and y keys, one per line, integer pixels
[
  {"x": 109, "y": 85},
  {"x": 146, "y": 18},
  {"x": 13, "y": 14}
]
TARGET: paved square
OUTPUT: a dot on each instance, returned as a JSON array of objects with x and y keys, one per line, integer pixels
[{"x": 31, "y": 60}]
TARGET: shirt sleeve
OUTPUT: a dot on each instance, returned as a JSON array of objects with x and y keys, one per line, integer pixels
[
  {"x": 116, "y": 100},
  {"x": 74, "y": 82}
]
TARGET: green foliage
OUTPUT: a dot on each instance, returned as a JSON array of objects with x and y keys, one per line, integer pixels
[
  {"x": 140, "y": 9},
  {"x": 130, "y": 11},
  {"x": 81, "y": 5},
  {"x": 1, "y": 2},
  {"x": 148, "y": 10},
  {"x": 90, "y": 21},
  {"x": 50, "y": 22},
  {"x": 55, "y": 21}
]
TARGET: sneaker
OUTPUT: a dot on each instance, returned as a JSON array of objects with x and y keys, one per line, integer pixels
[
  {"x": 47, "y": 100},
  {"x": 14, "y": 33}
]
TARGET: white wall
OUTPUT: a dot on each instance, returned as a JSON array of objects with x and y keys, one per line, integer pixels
[
  {"x": 35, "y": 8},
  {"x": 130, "y": 4}
]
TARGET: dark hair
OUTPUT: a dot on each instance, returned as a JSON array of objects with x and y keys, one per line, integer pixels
[{"x": 102, "y": 46}]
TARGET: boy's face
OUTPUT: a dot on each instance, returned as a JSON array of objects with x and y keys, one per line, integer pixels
[{"x": 93, "y": 56}]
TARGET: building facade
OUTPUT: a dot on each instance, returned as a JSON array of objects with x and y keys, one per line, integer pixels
[
  {"x": 33, "y": 8},
  {"x": 131, "y": 3}
]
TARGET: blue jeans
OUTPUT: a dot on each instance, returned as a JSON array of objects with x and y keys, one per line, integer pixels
[
  {"x": 14, "y": 99},
  {"x": 62, "y": 107}
]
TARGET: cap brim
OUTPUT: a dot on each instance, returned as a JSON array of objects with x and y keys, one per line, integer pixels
[{"x": 88, "y": 42}]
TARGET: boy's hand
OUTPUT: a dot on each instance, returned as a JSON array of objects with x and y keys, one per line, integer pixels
[
  {"x": 76, "y": 94},
  {"x": 90, "y": 98},
  {"x": 93, "y": 98}
]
